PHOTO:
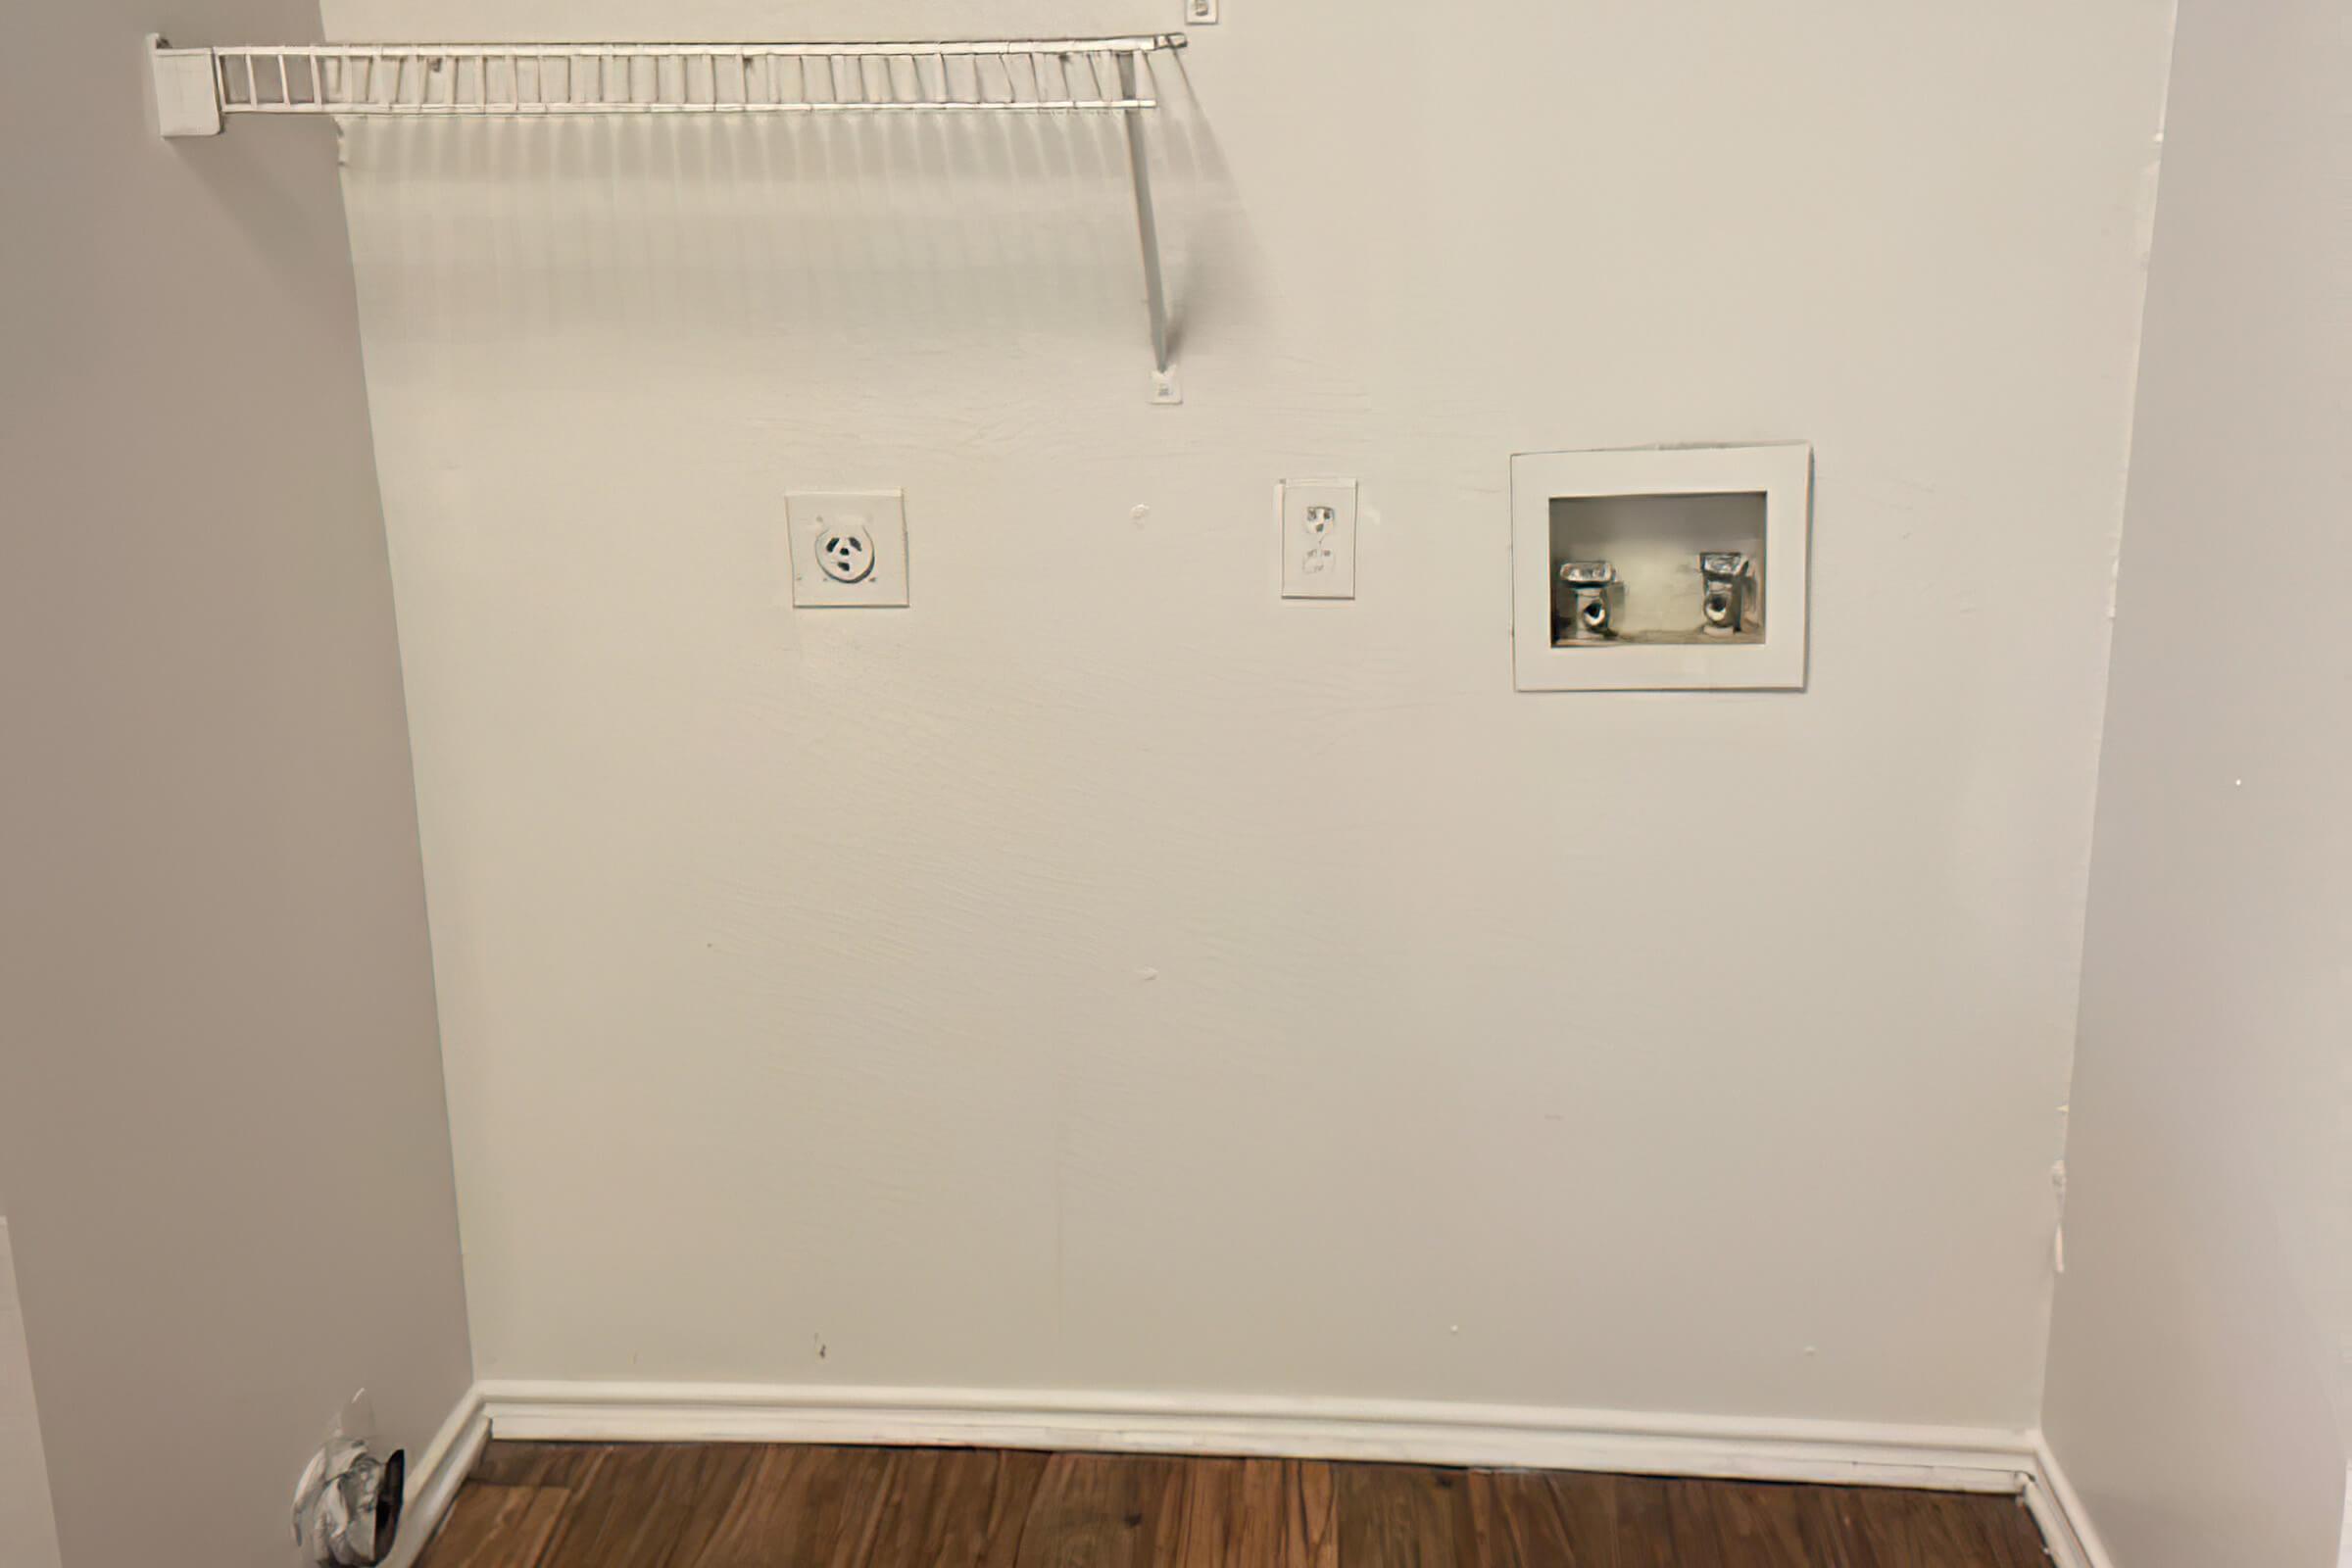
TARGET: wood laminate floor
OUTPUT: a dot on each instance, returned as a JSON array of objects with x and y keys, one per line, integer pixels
[{"x": 742, "y": 1505}]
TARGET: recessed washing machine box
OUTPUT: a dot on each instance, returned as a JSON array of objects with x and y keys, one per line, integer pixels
[{"x": 1660, "y": 568}]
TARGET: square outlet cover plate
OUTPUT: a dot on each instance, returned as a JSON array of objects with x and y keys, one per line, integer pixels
[
  {"x": 848, "y": 548},
  {"x": 1318, "y": 539}
]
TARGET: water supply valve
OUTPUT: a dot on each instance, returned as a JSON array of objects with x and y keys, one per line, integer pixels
[
  {"x": 1592, "y": 618},
  {"x": 1723, "y": 591}
]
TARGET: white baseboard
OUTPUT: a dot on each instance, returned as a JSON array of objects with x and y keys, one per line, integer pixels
[
  {"x": 2065, "y": 1527},
  {"x": 436, "y": 1475},
  {"x": 1945, "y": 1458},
  {"x": 1518, "y": 1436}
]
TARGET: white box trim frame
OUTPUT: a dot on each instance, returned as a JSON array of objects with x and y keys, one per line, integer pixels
[{"x": 1781, "y": 471}]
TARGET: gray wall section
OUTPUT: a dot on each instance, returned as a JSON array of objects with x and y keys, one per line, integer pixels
[
  {"x": 2192, "y": 1354},
  {"x": 223, "y": 1152}
]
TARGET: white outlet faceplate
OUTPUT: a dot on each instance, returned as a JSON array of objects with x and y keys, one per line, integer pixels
[
  {"x": 848, "y": 548},
  {"x": 1318, "y": 538},
  {"x": 1200, "y": 12}
]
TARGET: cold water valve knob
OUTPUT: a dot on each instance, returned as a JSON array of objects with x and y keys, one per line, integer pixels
[{"x": 1723, "y": 591}]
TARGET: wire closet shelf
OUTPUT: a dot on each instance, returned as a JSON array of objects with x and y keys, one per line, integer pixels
[
  {"x": 196, "y": 91},
  {"x": 987, "y": 76}
]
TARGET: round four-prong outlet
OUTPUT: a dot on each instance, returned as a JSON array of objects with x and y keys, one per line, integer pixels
[{"x": 844, "y": 551}]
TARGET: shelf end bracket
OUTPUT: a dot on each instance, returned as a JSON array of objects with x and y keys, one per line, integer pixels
[{"x": 186, "y": 95}]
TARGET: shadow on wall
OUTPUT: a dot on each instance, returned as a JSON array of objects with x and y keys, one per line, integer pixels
[{"x": 837, "y": 231}]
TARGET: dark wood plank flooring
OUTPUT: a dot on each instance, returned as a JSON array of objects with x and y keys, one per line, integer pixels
[{"x": 725, "y": 1506}]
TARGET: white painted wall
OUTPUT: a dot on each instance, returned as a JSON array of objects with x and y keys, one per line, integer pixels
[
  {"x": 223, "y": 1146},
  {"x": 1106, "y": 976},
  {"x": 2199, "y": 1327},
  {"x": 27, "y": 1523}
]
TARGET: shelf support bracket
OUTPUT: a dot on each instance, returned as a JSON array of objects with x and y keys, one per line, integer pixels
[{"x": 1164, "y": 387}]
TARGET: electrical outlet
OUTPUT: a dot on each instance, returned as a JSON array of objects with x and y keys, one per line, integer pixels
[
  {"x": 848, "y": 548},
  {"x": 1318, "y": 538},
  {"x": 1200, "y": 12},
  {"x": 844, "y": 551}
]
